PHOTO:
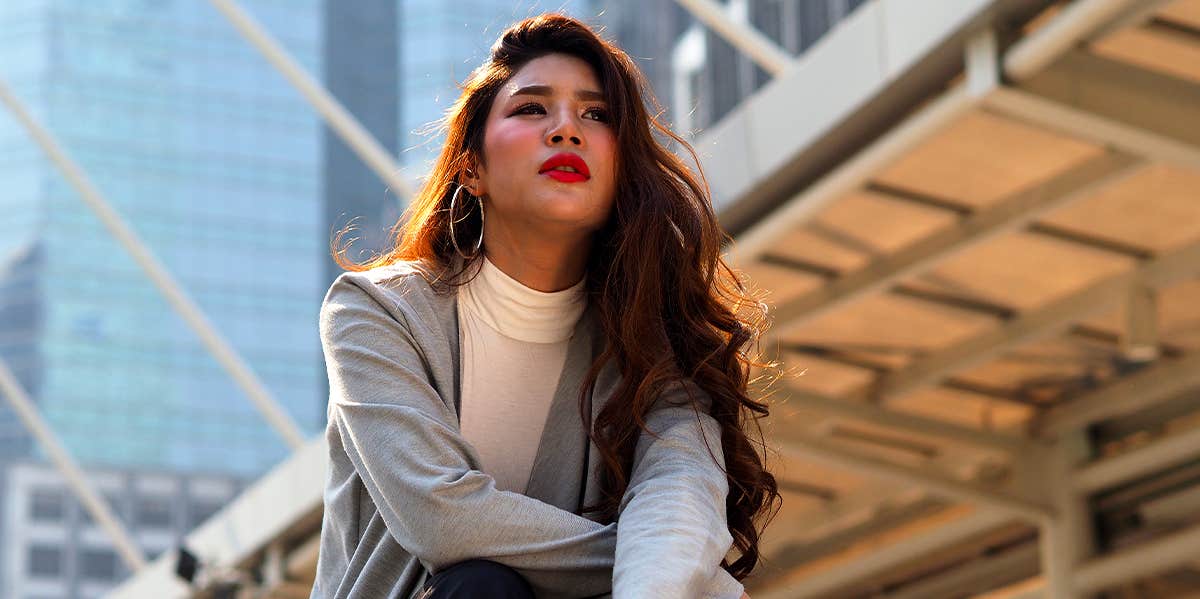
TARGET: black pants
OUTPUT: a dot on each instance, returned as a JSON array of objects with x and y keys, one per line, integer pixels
[{"x": 477, "y": 579}]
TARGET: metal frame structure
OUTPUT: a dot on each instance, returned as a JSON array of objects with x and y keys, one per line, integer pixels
[
  {"x": 1061, "y": 515},
  {"x": 1022, "y": 82}
]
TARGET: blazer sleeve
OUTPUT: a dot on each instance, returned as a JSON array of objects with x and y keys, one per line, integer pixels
[
  {"x": 421, "y": 473},
  {"x": 673, "y": 531}
]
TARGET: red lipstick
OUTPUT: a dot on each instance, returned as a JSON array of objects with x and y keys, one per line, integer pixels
[{"x": 565, "y": 159}]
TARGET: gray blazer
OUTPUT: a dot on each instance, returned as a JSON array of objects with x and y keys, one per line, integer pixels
[{"x": 405, "y": 496}]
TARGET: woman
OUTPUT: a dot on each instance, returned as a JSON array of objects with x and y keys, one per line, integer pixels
[{"x": 554, "y": 351}]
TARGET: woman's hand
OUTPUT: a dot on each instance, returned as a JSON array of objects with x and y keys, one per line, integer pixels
[{"x": 745, "y": 595}]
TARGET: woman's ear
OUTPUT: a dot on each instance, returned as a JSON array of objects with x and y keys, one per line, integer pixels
[{"x": 473, "y": 182}]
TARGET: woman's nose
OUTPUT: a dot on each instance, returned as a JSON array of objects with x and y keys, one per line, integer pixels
[
  {"x": 558, "y": 138},
  {"x": 566, "y": 128}
]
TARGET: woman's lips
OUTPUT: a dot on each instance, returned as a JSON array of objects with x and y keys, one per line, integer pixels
[
  {"x": 565, "y": 176},
  {"x": 565, "y": 159}
]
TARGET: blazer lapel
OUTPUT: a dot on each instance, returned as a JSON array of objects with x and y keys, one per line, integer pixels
[
  {"x": 563, "y": 446},
  {"x": 607, "y": 381}
]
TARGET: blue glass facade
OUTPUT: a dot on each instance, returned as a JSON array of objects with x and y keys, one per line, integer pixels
[
  {"x": 361, "y": 56},
  {"x": 214, "y": 161}
]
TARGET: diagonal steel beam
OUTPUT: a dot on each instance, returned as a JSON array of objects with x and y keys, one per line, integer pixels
[
  {"x": 822, "y": 542},
  {"x": 1008, "y": 215},
  {"x": 1159, "y": 555},
  {"x": 176, "y": 296},
  {"x": 1166, "y": 378},
  {"x": 846, "y": 509},
  {"x": 882, "y": 560},
  {"x": 766, "y": 53},
  {"x": 1040, "y": 323},
  {"x": 1077, "y": 22},
  {"x": 974, "y": 578},
  {"x": 95, "y": 505},
  {"x": 1063, "y": 118},
  {"x": 1107, "y": 102},
  {"x": 1163, "y": 453},
  {"x": 914, "y": 424},
  {"x": 336, "y": 116},
  {"x": 852, "y": 174},
  {"x": 806, "y": 446},
  {"x": 1143, "y": 560}
]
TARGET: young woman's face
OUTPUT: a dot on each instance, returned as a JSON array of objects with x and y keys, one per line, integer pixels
[{"x": 549, "y": 118}]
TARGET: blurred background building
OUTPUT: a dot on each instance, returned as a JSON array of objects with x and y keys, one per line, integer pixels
[
  {"x": 977, "y": 221},
  {"x": 362, "y": 51},
  {"x": 216, "y": 163}
]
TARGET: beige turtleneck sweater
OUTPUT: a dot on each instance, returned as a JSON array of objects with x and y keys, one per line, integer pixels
[{"x": 513, "y": 346}]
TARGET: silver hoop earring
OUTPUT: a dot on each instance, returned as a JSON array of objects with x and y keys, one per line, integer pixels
[{"x": 453, "y": 239}]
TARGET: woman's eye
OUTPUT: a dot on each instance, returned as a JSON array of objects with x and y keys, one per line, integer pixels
[
  {"x": 599, "y": 114},
  {"x": 528, "y": 109}
]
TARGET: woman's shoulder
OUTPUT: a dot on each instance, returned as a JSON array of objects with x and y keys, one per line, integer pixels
[
  {"x": 407, "y": 289},
  {"x": 396, "y": 275}
]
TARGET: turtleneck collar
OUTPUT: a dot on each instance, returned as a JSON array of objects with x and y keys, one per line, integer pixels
[{"x": 519, "y": 312}]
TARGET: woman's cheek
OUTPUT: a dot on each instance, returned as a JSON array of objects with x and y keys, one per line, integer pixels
[{"x": 502, "y": 141}]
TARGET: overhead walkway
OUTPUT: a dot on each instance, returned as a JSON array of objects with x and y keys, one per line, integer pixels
[
  {"x": 980, "y": 230},
  {"x": 994, "y": 300}
]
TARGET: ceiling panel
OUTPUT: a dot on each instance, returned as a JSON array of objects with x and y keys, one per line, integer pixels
[
  {"x": 860, "y": 228},
  {"x": 1186, "y": 12},
  {"x": 1157, "y": 208},
  {"x": 1025, "y": 270},
  {"x": 983, "y": 158},
  {"x": 1042, "y": 372},
  {"x": 965, "y": 409},
  {"x": 890, "y": 325},
  {"x": 826, "y": 377},
  {"x": 1159, "y": 49}
]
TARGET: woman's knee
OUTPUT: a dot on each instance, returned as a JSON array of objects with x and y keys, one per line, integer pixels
[{"x": 480, "y": 579}]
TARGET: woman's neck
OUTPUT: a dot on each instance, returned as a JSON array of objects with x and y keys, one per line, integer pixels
[{"x": 545, "y": 267}]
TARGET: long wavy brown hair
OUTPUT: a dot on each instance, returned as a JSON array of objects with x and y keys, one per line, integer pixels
[{"x": 668, "y": 306}]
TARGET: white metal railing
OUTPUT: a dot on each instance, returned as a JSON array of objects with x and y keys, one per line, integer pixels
[
  {"x": 158, "y": 274},
  {"x": 741, "y": 35},
  {"x": 91, "y": 500},
  {"x": 336, "y": 116}
]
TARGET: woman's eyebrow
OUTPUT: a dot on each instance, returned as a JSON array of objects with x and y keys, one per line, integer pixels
[{"x": 546, "y": 90}]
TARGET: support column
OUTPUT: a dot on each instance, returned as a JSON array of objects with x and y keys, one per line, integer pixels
[
  {"x": 1067, "y": 539},
  {"x": 1140, "y": 342}
]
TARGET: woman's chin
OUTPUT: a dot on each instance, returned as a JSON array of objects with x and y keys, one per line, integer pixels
[
  {"x": 567, "y": 208},
  {"x": 565, "y": 224}
]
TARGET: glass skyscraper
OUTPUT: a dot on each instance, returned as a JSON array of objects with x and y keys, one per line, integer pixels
[
  {"x": 213, "y": 159},
  {"x": 361, "y": 63}
]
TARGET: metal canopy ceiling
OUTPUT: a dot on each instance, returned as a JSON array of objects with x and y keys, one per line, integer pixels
[{"x": 996, "y": 331}]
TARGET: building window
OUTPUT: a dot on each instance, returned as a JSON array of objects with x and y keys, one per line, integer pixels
[
  {"x": 202, "y": 511},
  {"x": 47, "y": 506},
  {"x": 45, "y": 561},
  {"x": 114, "y": 505},
  {"x": 98, "y": 564},
  {"x": 153, "y": 553},
  {"x": 154, "y": 512}
]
